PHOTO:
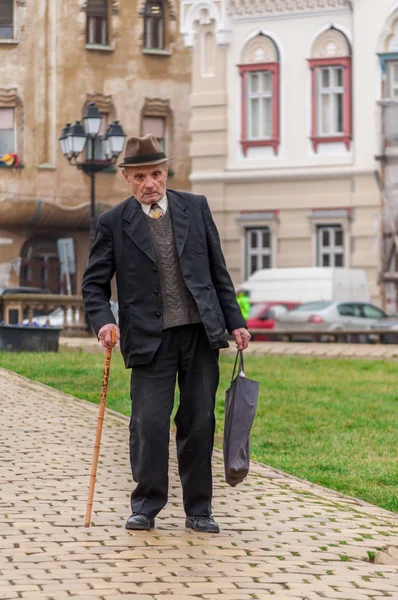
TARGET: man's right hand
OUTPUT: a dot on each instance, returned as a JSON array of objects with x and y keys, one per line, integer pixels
[{"x": 104, "y": 335}]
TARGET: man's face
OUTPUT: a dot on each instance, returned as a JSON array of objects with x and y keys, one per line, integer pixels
[{"x": 148, "y": 184}]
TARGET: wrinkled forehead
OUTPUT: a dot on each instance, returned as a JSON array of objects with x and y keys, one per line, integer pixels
[{"x": 144, "y": 171}]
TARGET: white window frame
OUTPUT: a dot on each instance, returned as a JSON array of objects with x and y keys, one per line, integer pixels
[
  {"x": 332, "y": 250},
  {"x": 260, "y": 251},
  {"x": 15, "y": 150},
  {"x": 392, "y": 85},
  {"x": 332, "y": 91},
  {"x": 260, "y": 95}
]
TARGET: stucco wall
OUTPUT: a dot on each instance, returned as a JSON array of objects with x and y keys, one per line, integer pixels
[{"x": 54, "y": 72}]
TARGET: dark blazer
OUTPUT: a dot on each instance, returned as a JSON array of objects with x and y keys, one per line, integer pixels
[{"x": 123, "y": 246}]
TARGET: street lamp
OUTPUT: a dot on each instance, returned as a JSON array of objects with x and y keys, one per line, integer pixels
[{"x": 74, "y": 139}]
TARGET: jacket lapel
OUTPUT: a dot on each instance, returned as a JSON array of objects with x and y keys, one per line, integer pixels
[
  {"x": 136, "y": 228},
  {"x": 180, "y": 218}
]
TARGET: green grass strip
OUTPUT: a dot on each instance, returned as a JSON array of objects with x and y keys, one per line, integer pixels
[{"x": 333, "y": 422}]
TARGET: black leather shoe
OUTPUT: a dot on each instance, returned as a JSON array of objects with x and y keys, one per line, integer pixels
[
  {"x": 202, "y": 524},
  {"x": 140, "y": 521}
]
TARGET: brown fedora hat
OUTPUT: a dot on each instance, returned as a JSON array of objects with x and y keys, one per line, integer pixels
[{"x": 143, "y": 151}]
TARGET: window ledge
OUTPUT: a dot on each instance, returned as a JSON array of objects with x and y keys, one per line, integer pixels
[
  {"x": 9, "y": 42},
  {"x": 20, "y": 166},
  {"x": 99, "y": 47},
  {"x": 248, "y": 217},
  {"x": 157, "y": 51},
  {"x": 246, "y": 144},
  {"x": 333, "y": 139},
  {"x": 46, "y": 166},
  {"x": 330, "y": 214}
]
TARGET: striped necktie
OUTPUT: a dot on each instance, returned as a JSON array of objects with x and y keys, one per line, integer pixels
[{"x": 156, "y": 211}]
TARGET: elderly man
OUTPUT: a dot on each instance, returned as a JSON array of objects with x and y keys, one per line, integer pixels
[{"x": 176, "y": 300}]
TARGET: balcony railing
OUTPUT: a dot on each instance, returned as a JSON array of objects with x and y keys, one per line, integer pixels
[{"x": 31, "y": 308}]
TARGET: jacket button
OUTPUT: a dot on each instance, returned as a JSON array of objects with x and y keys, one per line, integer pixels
[
  {"x": 158, "y": 315},
  {"x": 155, "y": 268},
  {"x": 156, "y": 292}
]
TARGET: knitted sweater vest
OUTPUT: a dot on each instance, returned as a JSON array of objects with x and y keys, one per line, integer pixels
[{"x": 179, "y": 307}]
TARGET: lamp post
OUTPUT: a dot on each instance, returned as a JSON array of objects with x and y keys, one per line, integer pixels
[{"x": 74, "y": 139}]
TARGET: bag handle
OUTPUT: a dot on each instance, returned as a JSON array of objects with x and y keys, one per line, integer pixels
[{"x": 239, "y": 355}]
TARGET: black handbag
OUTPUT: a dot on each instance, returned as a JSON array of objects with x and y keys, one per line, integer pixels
[{"x": 240, "y": 409}]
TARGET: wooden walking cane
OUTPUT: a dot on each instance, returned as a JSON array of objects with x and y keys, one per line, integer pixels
[{"x": 100, "y": 422}]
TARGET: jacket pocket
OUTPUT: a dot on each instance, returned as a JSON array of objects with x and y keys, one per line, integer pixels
[
  {"x": 196, "y": 242},
  {"x": 218, "y": 309},
  {"x": 125, "y": 330}
]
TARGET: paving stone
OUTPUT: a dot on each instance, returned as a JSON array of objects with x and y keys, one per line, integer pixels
[{"x": 278, "y": 534}]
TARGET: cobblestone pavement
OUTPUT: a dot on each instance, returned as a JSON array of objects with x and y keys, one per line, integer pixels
[
  {"x": 369, "y": 351},
  {"x": 281, "y": 537}
]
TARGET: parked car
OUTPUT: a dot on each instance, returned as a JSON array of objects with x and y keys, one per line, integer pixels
[
  {"x": 263, "y": 315},
  {"x": 330, "y": 316},
  {"x": 391, "y": 326},
  {"x": 56, "y": 317}
]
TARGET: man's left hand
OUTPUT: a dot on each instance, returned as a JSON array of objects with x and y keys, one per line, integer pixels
[{"x": 242, "y": 338}]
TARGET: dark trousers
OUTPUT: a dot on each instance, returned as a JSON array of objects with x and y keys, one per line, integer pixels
[{"x": 186, "y": 352}]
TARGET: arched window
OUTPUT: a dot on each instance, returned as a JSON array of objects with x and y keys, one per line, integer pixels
[
  {"x": 97, "y": 22},
  {"x": 259, "y": 71},
  {"x": 6, "y": 19},
  {"x": 330, "y": 65},
  {"x": 208, "y": 54},
  {"x": 389, "y": 59},
  {"x": 154, "y": 25}
]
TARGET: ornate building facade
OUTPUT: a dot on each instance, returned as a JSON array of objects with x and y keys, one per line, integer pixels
[
  {"x": 55, "y": 57},
  {"x": 286, "y": 126}
]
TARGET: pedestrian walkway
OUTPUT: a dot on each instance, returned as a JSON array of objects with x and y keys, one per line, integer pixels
[
  {"x": 280, "y": 537},
  {"x": 369, "y": 351}
]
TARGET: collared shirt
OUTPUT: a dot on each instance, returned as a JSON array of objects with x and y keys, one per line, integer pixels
[{"x": 163, "y": 203}]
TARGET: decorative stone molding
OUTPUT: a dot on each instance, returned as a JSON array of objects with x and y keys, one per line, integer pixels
[
  {"x": 156, "y": 107},
  {"x": 331, "y": 44},
  {"x": 171, "y": 4},
  {"x": 104, "y": 104},
  {"x": 9, "y": 99},
  {"x": 114, "y": 6},
  {"x": 195, "y": 15},
  {"x": 238, "y": 8},
  {"x": 260, "y": 49},
  {"x": 392, "y": 39},
  {"x": 388, "y": 41}
]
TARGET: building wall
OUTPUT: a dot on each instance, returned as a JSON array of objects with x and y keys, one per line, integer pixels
[
  {"x": 57, "y": 74},
  {"x": 297, "y": 189}
]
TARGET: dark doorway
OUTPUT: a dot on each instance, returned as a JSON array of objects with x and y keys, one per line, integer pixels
[{"x": 40, "y": 265}]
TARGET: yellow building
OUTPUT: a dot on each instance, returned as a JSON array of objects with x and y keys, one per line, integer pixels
[{"x": 55, "y": 58}]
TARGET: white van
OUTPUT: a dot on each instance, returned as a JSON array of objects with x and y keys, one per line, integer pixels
[{"x": 307, "y": 285}]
